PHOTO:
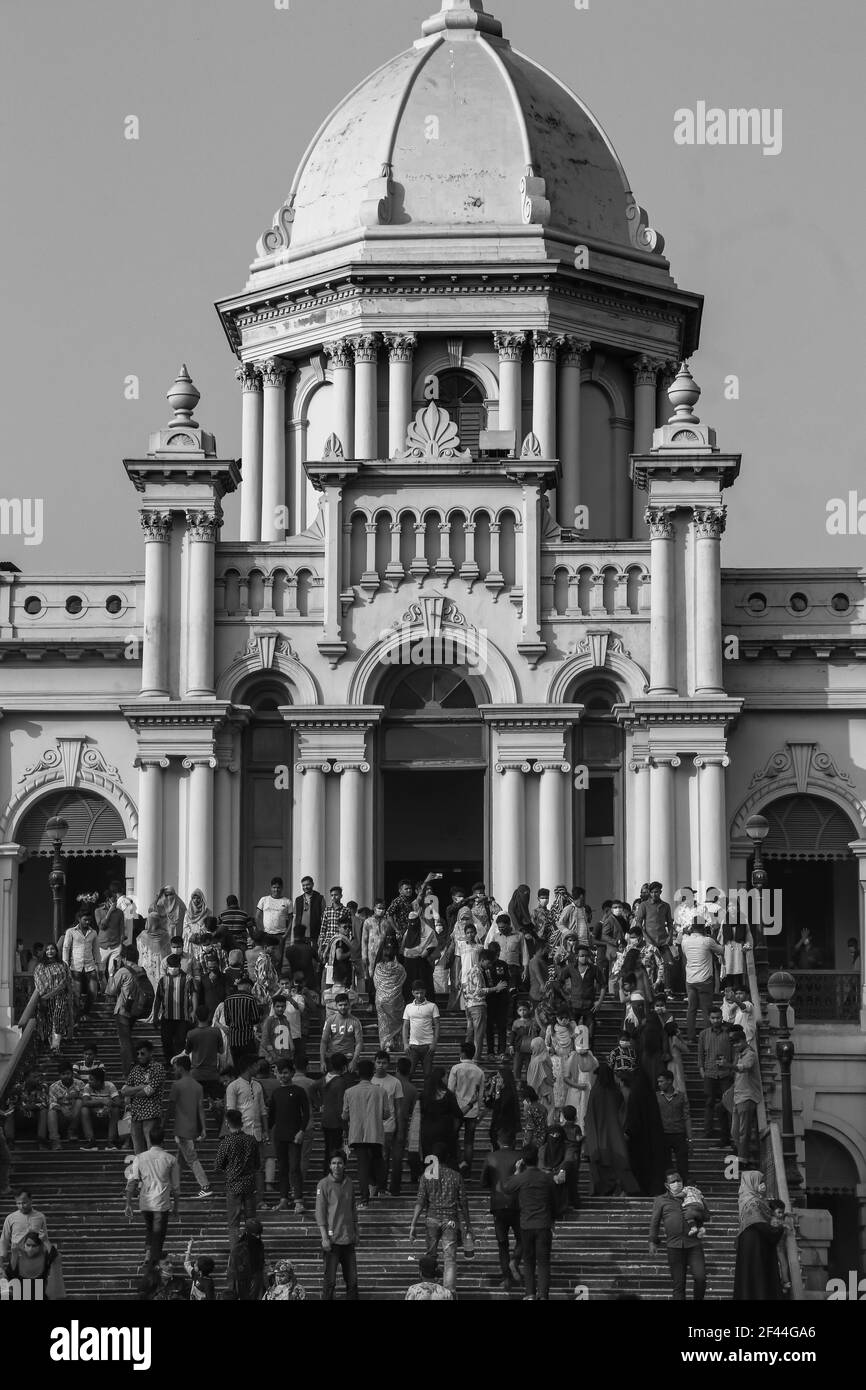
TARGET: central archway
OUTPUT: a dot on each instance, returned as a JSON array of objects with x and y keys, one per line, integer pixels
[{"x": 433, "y": 761}]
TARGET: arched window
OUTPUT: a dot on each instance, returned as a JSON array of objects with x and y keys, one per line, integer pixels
[{"x": 461, "y": 395}]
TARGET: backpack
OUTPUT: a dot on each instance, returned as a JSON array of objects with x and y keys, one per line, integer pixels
[{"x": 141, "y": 997}]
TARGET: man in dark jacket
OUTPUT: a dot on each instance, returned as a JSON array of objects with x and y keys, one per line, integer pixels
[
  {"x": 504, "y": 1207},
  {"x": 535, "y": 1196},
  {"x": 685, "y": 1252},
  {"x": 288, "y": 1117},
  {"x": 309, "y": 906}
]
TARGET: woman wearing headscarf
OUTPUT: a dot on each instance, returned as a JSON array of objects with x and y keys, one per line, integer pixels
[
  {"x": 578, "y": 1075},
  {"x": 389, "y": 978},
  {"x": 52, "y": 981},
  {"x": 562, "y": 899},
  {"x": 198, "y": 926},
  {"x": 521, "y": 916},
  {"x": 285, "y": 1288},
  {"x": 756, "y": 1273},
  {"x": 651, "y": 1047},
  {"x": 633, "y": 964},
  {"x": 552, "y": 1157},
  {"x": 154, "y": 944},
  {"x": 172, "y": 909},
  {"x": 416, "y": 951},
  {"x": 441, "y": 1118},
  {"x": 604, "y": 1140},
  {"x": 735, "y": 939},
  {"x": 539, "y": 1074},
  {"x": 645, "y": 1134},
  {"x": 501, "y": 1095}
]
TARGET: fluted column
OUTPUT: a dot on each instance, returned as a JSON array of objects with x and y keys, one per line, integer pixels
[
  {"x": 510, "y": 347},
  {"x": 639, "y": 825},
  {"x": 544, "y": 346},
  {"x": 200, "y": 825},
  {"x": 401, "y": 349},
  {"x": 713, "y": 838},
  {"x": 645, "y": 378},
  {"x": 273, "y": 448},
  {"x": 154, "y": 656},
  {"x": 366, "y": 351},
  {"x": 312, "y": 821},
  {"x": 251, "y": 451},
  {"x": 663, "y": 823},
  {"x": 552, "y": 853},
  {"x": 571, "y": 487},
  {"x": 150, "y": 823},
  {"x": 510, "y": 831},
  {"x": 202, "y": 530},
  {"x": 353, "y": 836},
  {"x": 662, "y": 608},
  {"x": 709, "y": 525},
  {"x": 342, "y": 373}
]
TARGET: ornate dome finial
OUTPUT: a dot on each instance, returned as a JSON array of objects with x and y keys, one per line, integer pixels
[
  {"x": 183, "y": 397},
  {"x": 684, "y": 394},
  {"x": 462, "y": 14}
]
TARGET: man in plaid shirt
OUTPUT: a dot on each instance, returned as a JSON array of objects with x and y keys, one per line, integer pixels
[
  {"x": 238, "y": 1157},
  {"x": 336, "y": 921},
  {"x": 442, "y": 1195}
]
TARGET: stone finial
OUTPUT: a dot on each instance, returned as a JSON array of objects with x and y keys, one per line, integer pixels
[
  {"x": 183, "y": 397},
  {"x": 684, "y": 394},
  {"x": 462, "y": 14}
]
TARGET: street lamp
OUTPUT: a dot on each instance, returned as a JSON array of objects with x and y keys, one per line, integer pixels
[
  {"x": 758, "y": 828},
  {"x": 57, "y": 828},
  {"x": 780, "y": 988}
]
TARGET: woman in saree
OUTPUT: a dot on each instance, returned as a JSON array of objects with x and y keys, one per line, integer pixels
[
  {"x": 52, "y": 982},
  {"x": 756, "y": 1272},
  {"x": 604, "y": 1140},
  {"x": 539, "y": 1074},
  {"x": 154, "y": 944},
  {"x": 198, "y": 928},
  {"x": 578, "y": 1075},
  {"x": 389, "y": 978},
  {"x": 416, "y": 950}
]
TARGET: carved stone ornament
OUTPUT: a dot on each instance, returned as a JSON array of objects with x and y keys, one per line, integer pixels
[
  {"x": 597, "y": 646},
  {"x": 340, "y": 352},
  {"x": 73, "y": 763},
  {"x": 401, "y": 346},
  {"x": 249, "y": 376},
  {"x": 274, "y": 371},
  {"x": 709, "y": 522},
  {"x": 802, "y": 762},
  {"x": 155, "y": 525},
  {"x": 534, "y": 204},
  {"x": 203, "y": 525},
  {"x": 366, "y": 347},
  {"x": 646, "y": 372},
  {"x": 432, "y": 612},
  {"x": 531, "y": 447},
  {"x": 265, "y": 646},
  {"x": 432, "y": 436},
  {"x": 377, "y": 209},
  {"x": 641, "y": 234},
  {"x": 544, "y": 346},
  {"x": 660, "y": 523},
  {"x": 333, "y": 448},
  {"x": 510, "y": 346},
  {"x": 278, "y": 237},
  {"x": 573, "y": 350}
]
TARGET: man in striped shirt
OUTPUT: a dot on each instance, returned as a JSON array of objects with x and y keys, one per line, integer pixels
[
  {"x": 242, "y": 1013},
  {"x": 173, "y": 1007}
]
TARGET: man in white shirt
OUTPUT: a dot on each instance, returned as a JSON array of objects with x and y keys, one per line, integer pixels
[
  {"x": 698, "y": 950},
  {"x": 466, "y": 1080},
  {"x": 274, "y": 915},
  {"x": 382, "y": 1077},
  {"x": 81, "y": 953},
  {"x": 420, "y": 1030},
  {"x": 158, "y": 1174}
]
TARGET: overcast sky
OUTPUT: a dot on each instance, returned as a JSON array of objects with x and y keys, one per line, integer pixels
[{"x": 113, "y": 251}]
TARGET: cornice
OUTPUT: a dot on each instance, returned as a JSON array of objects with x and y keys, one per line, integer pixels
[
  {"x": 530, "y": 716},
  {"x": 332, "y": 716},
  {"x": 679, "y": 710},
  {"x": 22, "y": 649},
  {"x": 144, "y": 714}
]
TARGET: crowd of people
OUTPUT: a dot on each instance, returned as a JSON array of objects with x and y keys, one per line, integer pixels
[{"x": 243, "y": 1003}]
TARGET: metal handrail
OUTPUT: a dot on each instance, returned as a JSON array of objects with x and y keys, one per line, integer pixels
[{"x": 26, "y": 1026}]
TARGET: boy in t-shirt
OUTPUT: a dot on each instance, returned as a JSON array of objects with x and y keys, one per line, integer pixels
[
  {"x": 523, "y": 1030},
  {"x": 200, "y": 1271}
]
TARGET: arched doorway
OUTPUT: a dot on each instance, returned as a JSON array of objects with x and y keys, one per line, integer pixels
[
  {"x": 598, "y": 819},
  {"x": 90, "y": 859},
  {"x": 433, "y": 759},
  {"x": 462, "y": 396},
  {"x": 808, "y": 860},
  {"x": 266, "y": 794},
  {"x": 831, "y": 1185}
]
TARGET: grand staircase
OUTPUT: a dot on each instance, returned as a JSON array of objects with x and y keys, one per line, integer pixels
[{"x": 603, "y": 1245}]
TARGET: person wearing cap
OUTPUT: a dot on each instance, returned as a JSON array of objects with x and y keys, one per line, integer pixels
[
  {"x": 342, "y": 1032},
  {"x": 420, "y": 1029}
]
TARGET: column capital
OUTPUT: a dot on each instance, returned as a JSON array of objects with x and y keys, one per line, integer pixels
[
  {"x": 156, "y": 525},
  {"x": 551, "y": 767},
  {"x": 573, "y": 350},
  {"x": 544, "y": 346},
  {"x": 660, "y": 522},
  {"x": 340, "y": 351},
  {"x": 249, "y": 376},
  {"x": 275, "y": 370},
  {"x": 510, "y": 345},
  {"x": 401, "y": 346},
  {"x": 199, "y": 760},
  {"x": 646, "y": 371},
  {"x": 146, "y": 762},
  {"x": 339, "y": 768},
  {"x": 712, "y": 760},
  {"x": 204, "y": 525},
  {"x": 710, "y": 522},
  {"x": 513, "y": 765},
  {"x": 303, "y": 768},
  {"x": 366, "y": 347}
]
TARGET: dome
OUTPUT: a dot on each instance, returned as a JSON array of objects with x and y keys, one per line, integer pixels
[{"x": 459, "y": 132}]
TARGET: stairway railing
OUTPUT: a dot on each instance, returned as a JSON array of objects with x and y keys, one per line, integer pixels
[
  {"x": 770, "y": 1139},
  {"x": 24, "y": 1048}
]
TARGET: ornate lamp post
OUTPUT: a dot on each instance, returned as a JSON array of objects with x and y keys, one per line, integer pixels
[
  {"x": 780, "y": 988},
  {"x": 757, "y": 828},
  {"x": 57, "y": 828}
]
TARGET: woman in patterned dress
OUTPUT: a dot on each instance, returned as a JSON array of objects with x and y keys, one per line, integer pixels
[
  {"x": 52, "y": 981},
  {"x": 388, "y": 980}
]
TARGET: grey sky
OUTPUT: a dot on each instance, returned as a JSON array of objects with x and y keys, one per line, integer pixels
[{"x": 113, "y": 251}]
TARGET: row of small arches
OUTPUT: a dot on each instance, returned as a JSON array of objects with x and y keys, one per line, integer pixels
[
  {"x": 585, "y": 590},
  {"x": 287, "y": 594},
  {"x": 475, "y": 545}
]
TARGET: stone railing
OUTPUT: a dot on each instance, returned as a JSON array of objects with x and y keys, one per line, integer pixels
[
  {"x": 827, "y": 996},
  {"x": 580, "y": 580},
  {"x": 273, "y": 581},
  {"x": 40, "y": 608}
]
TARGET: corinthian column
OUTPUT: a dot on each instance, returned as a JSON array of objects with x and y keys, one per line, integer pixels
[
  {"x": 154, "y": 657},
  {"x": 662, "y": 613},
  {"x": 366, "y": 351},
  {"x": 544, "y": 347},
  {"x": 510, "y": 348},
  {"x": 713, "y": 842},
  {"x": 571, "y": 487},
  {"x": 552, "y": 860},
  {"x": 340, "y": 353},
  {"x": 401, "y": 349},
  {"x": 202, "y": 530},
  {"x": 709, "y": 525},
  {"x": 251, "y": 452},
  {"x": 274, "y": 449}
]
